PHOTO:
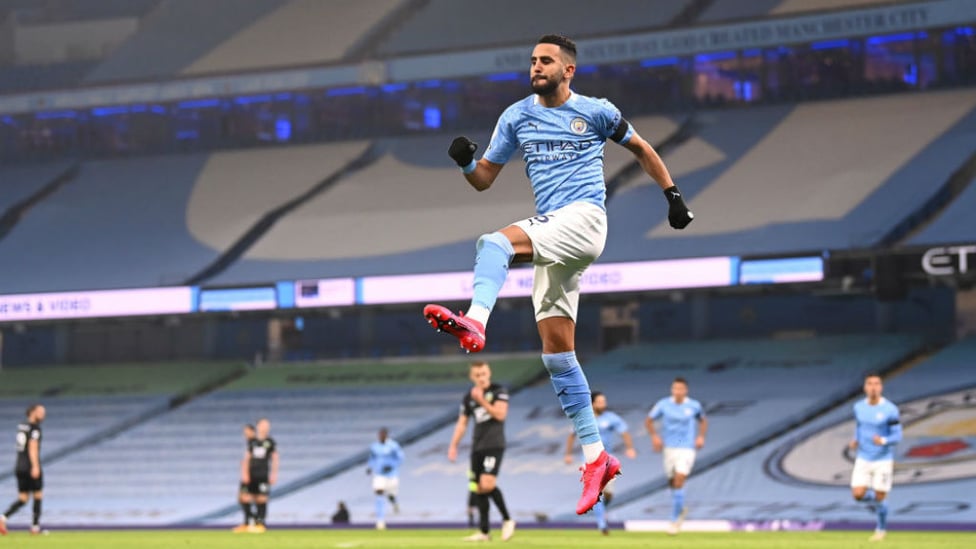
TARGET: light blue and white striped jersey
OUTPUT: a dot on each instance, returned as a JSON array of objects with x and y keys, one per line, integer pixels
[
  {"x": 679, "y": 422},
  {"x": 562, "y": 147},
  {"x": 880, "y": 419},
  {"x": 385, "y": 458},
  {"x": 611, "y": 426}
]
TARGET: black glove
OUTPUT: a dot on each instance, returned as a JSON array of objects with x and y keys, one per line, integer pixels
[
  {"x": 679, "y": 216},
  {"x": 462, "y": 150}
]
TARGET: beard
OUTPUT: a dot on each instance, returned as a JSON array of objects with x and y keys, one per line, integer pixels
[{"x": 545, "y": 86}]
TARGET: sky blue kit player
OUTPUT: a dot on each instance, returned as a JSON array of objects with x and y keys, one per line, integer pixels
[
  {"x": 561, "y": 135},
  {"x": 877, "y": 430},
  {"x": 680, "y": 433},
  {"x": 385, "y": 458}
]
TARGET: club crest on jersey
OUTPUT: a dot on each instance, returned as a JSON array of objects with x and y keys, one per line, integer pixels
[
  {"x": 489, "y": 396},
  {"x": 578, "y": 125}
]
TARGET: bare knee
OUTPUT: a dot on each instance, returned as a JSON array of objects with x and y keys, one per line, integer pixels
[
  {"x": 486, "y": 484},
  {"x": 678, "y": 481},
  {"x": 558, "y": 334},
  {"x": 880, "y": 496},
  {"x": 859, "y": 492},
  {"x": 521, "y": 243},
  {"x": 23, "y": 497}
]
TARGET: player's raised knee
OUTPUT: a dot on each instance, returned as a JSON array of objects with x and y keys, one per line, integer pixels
[{"x": 497, "y": 241}]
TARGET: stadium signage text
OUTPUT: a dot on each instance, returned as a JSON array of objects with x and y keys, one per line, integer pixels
[
  {"x": 103, "y": 303},
  {"x": 670, "y": 274},
  {"x": 947, "y": 260},
  {"x": 758, "y": 34}
]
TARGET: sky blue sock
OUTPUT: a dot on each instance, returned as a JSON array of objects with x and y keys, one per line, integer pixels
[
  {"x": 380, "y": 506},
  {"x": 574, "y": 394},
  {"x": 882, "y": 515},
  {"x": 677, "y": 503},
  {"x": 868, "y": 496},
  {"x": 600, "y": 510},
  {"x": 491, "y": 263}
]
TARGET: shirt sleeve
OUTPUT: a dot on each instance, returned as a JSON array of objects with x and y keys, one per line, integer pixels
[
  {"x": 35, "y": 434},
  {"x": 894, "y": 426},
  {"x": 371, "y": 462},
  {"x": 621, "y": 425},
  {"x": 501, "y": 393},
  {"x": 608, "y": 119},
  {"x": 699, "y": 411},
  {"x": 465, "y": 408},
  {"x": 503, "y": 140},
  {"x": 656, "y": 412}
]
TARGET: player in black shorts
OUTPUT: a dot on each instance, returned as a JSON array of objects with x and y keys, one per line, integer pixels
[
  {"x": 243, "y": 497},
  {"x": 260, "y": 472},
  {"x": 487, "y": 402},
  {"x": 30, "y": 478}
]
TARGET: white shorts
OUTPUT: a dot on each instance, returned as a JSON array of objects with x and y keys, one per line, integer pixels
[
  {"x": 564, "y": 243},
  {"x": 875, "y": 475},
  {"x": 678, "y": 461},
  {"x": 387, "y": 485}
]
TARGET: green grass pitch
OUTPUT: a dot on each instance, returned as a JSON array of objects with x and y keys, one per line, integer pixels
[{"x": 555, "y": 539}]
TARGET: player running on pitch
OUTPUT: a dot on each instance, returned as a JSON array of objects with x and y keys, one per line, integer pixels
[
  {"x": 561, "y": 136},
  {"x": 385, "y": 458},
  {"x": 683, "y": 429},
  {"x": 878, "y": 430}
]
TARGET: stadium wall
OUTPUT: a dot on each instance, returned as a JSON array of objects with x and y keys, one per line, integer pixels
[{"x": 604, "y": 322}]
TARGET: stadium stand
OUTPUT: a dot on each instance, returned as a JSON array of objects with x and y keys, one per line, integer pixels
[
  {"x": 175, "y": 34},
  {"x": 208, "y": 202},
  {"x": 88, "y": 403},
  {"x": 21, "y": 182},
  {"x": 234, "y": 189},
  {"x": 179, "y": 212},
  {"x": 774, "y": 156},
  {"x": 127, "y": 208},
  {"x": 44, "y": 77},
  {"x": 803, "y": 475},
  {"x": 76, "y": 10},
  {"x": 186, "y": 463},
  {"x": 29, "y": 75},
  {"x": 798, "y": 377},
  {"x": 414, "y": 179},
  {"x": 954, "y": 224},
  {"x": 448, "y": 25},
  {"x": 300, "y": 32}
]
